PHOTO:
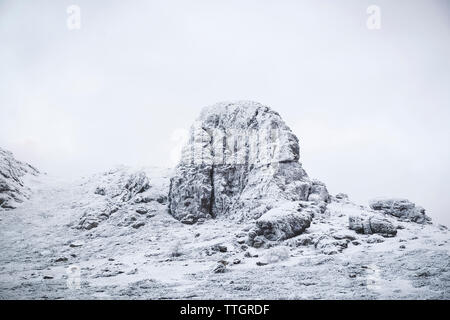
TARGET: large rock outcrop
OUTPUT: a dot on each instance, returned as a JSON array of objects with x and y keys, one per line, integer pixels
[
  {"x": 400, "y": 208},
  {"x": 13, "y": 190},
  {"x": 241, "y": 161}
]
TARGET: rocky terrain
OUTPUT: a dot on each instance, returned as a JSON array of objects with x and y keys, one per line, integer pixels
[
  {"x": 238, "y": 218},
  {"x": 13, "y": 173}
]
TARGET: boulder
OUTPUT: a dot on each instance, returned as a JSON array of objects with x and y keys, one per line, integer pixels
[
  {"x": 400, "y": 208},
  {"x": 372, "y": 225},
  {"x": 318, "y": 192},
  {"x": 330, "y": 245},
  {"x": 281, "y": 223},
  {"x": 341, "y": 196}
]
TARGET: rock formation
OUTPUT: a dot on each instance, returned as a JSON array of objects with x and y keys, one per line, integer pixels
[
  {"x": 241, "y": 161},
  {"x": 371, "y": 225},
  {"x": 126, "y": 195},
  {"x": 13, "y": 190},
  {"x": 400, "y": 208}
]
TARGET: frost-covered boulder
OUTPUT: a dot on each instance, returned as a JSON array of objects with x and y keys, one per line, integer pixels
[
  {"x": 400, "y": 208},
  {"x": 13, "y": 189},
  {"x": 318, "y": 191},
  {"x": 330, "y": 245},
  {"x": 240, "y": 161},
  {"x": 371, "y": 225},
  {"x": 280, "y": 223}
]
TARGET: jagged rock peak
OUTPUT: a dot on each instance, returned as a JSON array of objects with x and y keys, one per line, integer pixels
[
  {"x": 242, "y": 132},
  {"x": 241, "y": 160}
]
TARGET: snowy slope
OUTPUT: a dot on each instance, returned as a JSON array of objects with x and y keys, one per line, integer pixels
[
  {"x": 214, "y": 227},
  {"x": 165, "y": 258}
]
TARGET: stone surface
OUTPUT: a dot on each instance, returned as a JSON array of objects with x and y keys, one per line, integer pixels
[
  {"x": 371, "y": 225},
  {"x": 13, "y": 189},
  {"x": 126, "y": 195},
  {"x": 281, "y": 223},
  {"x": 400, "y": 208},
  {"x": 241, "y": 160}
]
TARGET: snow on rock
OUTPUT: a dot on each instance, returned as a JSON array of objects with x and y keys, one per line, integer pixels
[
  {"x": 330, "y": 245},
  {"x": 241, "y": 161},
  {"x": 280, "y": 223},
  {"x": 128, "y": 194},
  {"x": 13, "y": 190},
  {"x": 400, "y": 208},
  {"x": 371, "y": 225}
]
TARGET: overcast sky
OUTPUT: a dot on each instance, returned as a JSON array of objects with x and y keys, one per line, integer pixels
[{"x": 371, "y": 107}]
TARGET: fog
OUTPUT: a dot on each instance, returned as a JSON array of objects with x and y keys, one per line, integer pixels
[{"x": 371, "y": 107}]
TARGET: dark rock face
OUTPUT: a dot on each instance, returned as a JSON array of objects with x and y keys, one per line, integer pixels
[
  {"x": 241, "y": 161},
  {"x": 12, "y": 187},
  {"x": 371, "y": 225},
  {"x": 402, "y": 209}
]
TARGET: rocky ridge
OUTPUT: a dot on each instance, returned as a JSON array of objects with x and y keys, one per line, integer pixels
[{"x": 13, "y": 189}]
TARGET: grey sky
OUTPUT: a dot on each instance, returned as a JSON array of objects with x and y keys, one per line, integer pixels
[{"x": 371, "y": 107}]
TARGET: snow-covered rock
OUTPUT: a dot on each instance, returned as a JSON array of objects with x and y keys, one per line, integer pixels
[
  {"x": 13, "y": 190},
  {"x": 400, "y": 208},
  {"x": 128, "y": 194},
  {"x": 330, "y": 245},
  {"x": 371, "y": 225},
  {"x": 241, "y": 160},
  {"x": 280, "y": 223}
]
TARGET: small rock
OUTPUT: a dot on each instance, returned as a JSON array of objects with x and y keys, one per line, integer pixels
[
  {"x": 375, "y": 239},
  {"x": 341, "y": 196},
  {"x": 236, "y": 261},
  {"x": 219, "y": 268},
  {"x": 224, "y": 262},
  {"x": 76, "y": 244},
  {"x": 90, "y": 225},
  {"x": 141, "y": 210},
  {"x": 138, "y": 225},
  {"x": 260, "y": 263},
  {"x": 220, "y": 248},
  {"x": 189, "y": 219},
  {"x": 100, "y": 191},
  {"x": 61, "y": 259},
  {"x": 48, "y": 277},
  {"x": 133, "y": 271}
]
